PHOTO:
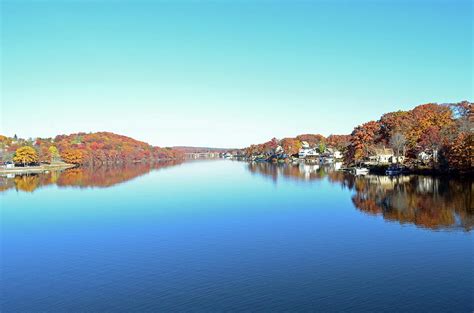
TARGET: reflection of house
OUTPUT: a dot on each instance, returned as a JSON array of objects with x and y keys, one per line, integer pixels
[
  {"x": 387, "y": 182},
  {"x": 307, "y": 170}
]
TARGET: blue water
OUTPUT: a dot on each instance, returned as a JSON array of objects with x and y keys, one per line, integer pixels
[{"x": 223, "y": 236}]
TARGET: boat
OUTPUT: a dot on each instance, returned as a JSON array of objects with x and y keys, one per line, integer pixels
[
  {"x": 360, "y": 171},
  {"x": 394, "y": 170}
]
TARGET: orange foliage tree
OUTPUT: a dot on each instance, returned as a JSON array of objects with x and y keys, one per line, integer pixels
[
  {"x": 362, "y": 139},
  {"x": 73, "y": 156},
  {"x": 25, "y": 156}
]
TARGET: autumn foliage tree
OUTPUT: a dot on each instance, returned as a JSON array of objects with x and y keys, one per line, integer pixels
[
  {"x": 291, "y": 146},
  {"x": 340, "y": 142},
  {"x": 460, "y": 152},
  {"x": 438, "y": 129},
  {"x": 25, "y": 156},
  {"x": 109, "y": 148},
  {"x": 362, "y": 138},
  {"x": 73, "y": 156}
]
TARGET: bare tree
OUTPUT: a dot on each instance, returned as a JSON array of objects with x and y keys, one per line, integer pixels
[{"x": 397, "y": 142}]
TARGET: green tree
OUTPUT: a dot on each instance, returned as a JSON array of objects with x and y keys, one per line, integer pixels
[
  {"x": 322, "y": 147},
  {"x": 54, "y": 153}
]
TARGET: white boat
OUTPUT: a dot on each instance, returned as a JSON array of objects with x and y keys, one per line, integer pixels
[{"x": 361, "y": 171}]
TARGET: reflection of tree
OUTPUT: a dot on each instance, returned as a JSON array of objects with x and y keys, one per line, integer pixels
[
  {"x": 424, "y": 201},
  {"x": 27, "y": 183},
  {"x": 299, "y": 171},
  {"x": 103, "y": 176}
]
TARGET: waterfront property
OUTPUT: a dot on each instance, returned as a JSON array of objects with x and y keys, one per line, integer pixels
[{"x": 307, "y": 152}]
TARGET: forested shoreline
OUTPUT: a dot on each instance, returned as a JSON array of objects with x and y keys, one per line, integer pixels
[
  {"x": 431, "y": 137},
  {"x": 82, "y": 149}
]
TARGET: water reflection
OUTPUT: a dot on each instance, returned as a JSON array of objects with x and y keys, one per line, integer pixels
[
  {"x": 82, "y": 177},
  {"x": 298, "y": 171},
  {"x": 428, "y": 202}
]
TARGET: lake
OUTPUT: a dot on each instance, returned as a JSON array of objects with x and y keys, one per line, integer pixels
[{"x": 219, "y": 235}]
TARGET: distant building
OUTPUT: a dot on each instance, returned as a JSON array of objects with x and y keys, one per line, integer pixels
[
  {"x": 304, "y": 145},
  {"x": 306, "y": 152},
  {"x": 279, "y": 150},
  {"x": 424, "y": 157},
  {"x": 381, "y": 156},
  {"x": 334, "y": 153}
]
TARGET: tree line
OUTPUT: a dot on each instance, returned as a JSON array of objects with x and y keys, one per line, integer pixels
[
  {"x": 442, "y": 132},
  {"x": 82, "y": 149}
]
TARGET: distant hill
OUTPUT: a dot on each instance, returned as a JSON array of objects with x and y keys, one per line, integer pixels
[{"x": 89, "y": 148}]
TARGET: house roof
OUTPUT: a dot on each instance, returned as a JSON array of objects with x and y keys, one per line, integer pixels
[{"x": 382, "y": 151}]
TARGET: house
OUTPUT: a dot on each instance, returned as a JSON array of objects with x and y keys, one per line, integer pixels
[
  {"x": 307, "y": 151},
  {"x": 399, "y": 159},
  {"x": 338, "y": 154},
  {"x": 424, "y": 157},
  {"x": 334, "y": 153},
  {"x": 279, "y": 150},
  {"x": 381, "y": 156}
]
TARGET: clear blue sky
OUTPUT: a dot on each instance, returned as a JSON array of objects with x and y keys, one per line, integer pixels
[{"x": 226, "y": 73}]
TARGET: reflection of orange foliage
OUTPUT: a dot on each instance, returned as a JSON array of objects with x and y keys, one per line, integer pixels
[
  {"x": 102, "y": 176},
  {"x": 424, "y": 201},
  {"x": 366, "y": 205},
  {"x": 83, "y": 177},
  {"x": 305, "y": 172},
  {"x": 27, "y": 183},
  {"x": 421, "y": 200}
]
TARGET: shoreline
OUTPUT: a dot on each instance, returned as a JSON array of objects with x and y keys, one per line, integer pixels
[{"x": 36, "y": 169}]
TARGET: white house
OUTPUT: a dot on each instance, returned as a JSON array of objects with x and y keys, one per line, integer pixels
[
  {"x": 307, "y": 151},
  {"x": 336, "y": 154},
  {"x": 426, "y": 156},
  {"x": 279, "y": 150},
  {"x": 381, "y": 156}
]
